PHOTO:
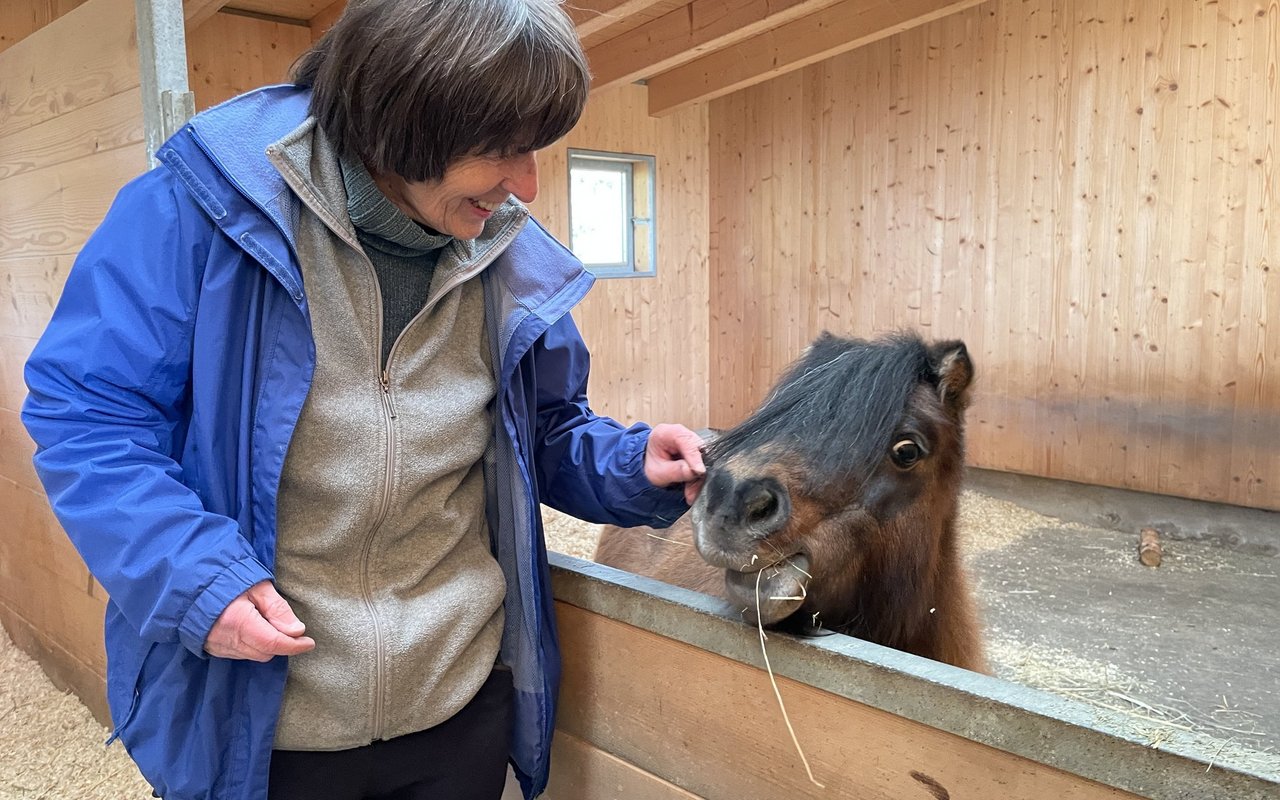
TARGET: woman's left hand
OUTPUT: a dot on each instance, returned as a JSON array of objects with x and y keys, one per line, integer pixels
[{"x": 674, "y": 455}]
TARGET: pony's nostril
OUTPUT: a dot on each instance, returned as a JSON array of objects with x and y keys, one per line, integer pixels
[{"x": 763, "y": 505}]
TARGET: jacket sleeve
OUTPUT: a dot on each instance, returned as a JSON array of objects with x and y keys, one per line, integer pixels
[
  {"x": 589, "y": 466},
  {"x": 108, "y": 394}
]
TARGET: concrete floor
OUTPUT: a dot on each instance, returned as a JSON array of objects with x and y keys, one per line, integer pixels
[{"x": 1193, "y": 643}]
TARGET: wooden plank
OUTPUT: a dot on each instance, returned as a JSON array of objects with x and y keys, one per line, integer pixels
[
  {"x": 651, "y": 701},
  {"x": 38, "y": 81},
  {"x": 324, "y": 20},
  {"x": 21, "y": 18},
  {"x": 106, "y": 125},
  {"x": 600, "y": 19},
  {"x": 684, "y": 34},
  {"x": 64, "y": 611},
  {"x": 16, "y": 450},
  {"x": 14, "y": 351},
  {"x": 647, "y": 335},
  {"x": 1043, "y": 151},
  {"x": 845, "y": 26},
  {"x": 51, "y": 211},
  {"x": 196, "y": 12},
  {"x": 65, "y": 668},
  {"x": 1253, "y": 464},
  {"x": 301, "y": 10},
  {"x": 29, "y": 290},
  {"x": 580, "y": 771},
  {"x": 231, "y": 54},
  {"x": 42, "y": 541}
]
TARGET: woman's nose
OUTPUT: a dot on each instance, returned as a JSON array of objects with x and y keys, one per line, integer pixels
[{"x": 522, "y": 179}]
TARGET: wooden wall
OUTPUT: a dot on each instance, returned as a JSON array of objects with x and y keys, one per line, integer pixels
[
  {"x": 21, "y": 18},
  {"x": 229, "y": 54},
  {"x": 647, "y": 335},
  {"x": 636, "y": 708},
  {"x": 1083, "y": 190},
  {"x": 70, "y": 135}
]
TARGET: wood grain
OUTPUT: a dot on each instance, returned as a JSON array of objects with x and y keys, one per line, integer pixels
[
  {"x": 66, "y": 669},
  {"x": 580, "y": 771},
  {"x": 301, "y": 10},
  {"x": 231, "y": 54},
  {"x": 647, "y": 335},
  {"x": 1081, "y": 190},
  {"x": 651, "y": 701},
  {"x": 21, "y": 18},
  {"x": 38, "y": 81},
  {"x": 52, "y": 211},
  {"x": 106, "y": 125},
  {"x": 812, "y": 38},
  {"x": 686, "y": 33},
  {"x": 324, "y": 20}
]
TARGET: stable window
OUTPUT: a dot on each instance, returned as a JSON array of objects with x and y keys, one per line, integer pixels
[{"x": 611, "y": 213}]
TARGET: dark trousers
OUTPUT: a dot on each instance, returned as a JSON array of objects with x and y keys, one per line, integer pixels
[{"x": 463, "y": 758}]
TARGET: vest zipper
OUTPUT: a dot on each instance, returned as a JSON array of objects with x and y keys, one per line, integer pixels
[{"x": 366, "y": 588}]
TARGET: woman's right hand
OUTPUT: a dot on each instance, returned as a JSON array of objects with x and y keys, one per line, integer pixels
[{"x": 258, "y": 626}]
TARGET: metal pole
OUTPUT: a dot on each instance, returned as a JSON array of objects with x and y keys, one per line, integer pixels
[{"x": 167, "y": 102}]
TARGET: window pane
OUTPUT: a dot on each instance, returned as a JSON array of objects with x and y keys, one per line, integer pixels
[{"x": 600, "y": 224}]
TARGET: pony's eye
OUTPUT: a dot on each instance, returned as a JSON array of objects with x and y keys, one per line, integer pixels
[{"x": 906, "y": 454}]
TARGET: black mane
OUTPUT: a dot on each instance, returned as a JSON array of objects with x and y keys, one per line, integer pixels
[{"x": 835, "y": 407}]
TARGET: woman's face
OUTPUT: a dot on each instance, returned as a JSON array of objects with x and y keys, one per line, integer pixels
[{"x": 470, "y": 190}]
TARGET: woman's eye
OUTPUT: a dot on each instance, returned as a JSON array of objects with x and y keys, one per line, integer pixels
[{"x": 906, "y": 453}]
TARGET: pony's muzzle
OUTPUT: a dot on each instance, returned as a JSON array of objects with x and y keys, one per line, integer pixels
[{"x": 771, "y": 594}]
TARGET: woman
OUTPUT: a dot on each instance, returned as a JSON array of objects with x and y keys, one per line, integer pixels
[{"x": 302, "y": 396}]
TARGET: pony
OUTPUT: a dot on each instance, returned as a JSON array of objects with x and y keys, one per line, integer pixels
[{"x": 832, "y": 507}]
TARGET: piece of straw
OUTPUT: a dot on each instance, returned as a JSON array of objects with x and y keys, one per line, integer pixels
[{"x": 778, "y": 694}]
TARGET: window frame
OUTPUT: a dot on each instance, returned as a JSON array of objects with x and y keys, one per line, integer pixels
[{"x": 638, "y": 242}]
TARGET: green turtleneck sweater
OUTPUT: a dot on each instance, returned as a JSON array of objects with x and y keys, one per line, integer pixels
[{"x": 404, "y": 253}]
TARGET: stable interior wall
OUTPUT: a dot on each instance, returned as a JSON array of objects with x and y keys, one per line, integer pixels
[
  {"x": 1084, "y": 191},
  {"x": 647, "y": 336},
  {"x": 21, "y": 18},
  {"x": 71, "y": 134}
]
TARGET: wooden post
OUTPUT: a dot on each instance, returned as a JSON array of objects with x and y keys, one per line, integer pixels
[{"x": 1149, "y": 551}]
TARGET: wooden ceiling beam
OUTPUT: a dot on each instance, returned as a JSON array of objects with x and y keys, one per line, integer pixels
[
  {"x": 684, "y": 34},
  {"x": 194, "y": 12},
  {"x": 842, "y": 27},
  {"x": 593, "y": 18}
]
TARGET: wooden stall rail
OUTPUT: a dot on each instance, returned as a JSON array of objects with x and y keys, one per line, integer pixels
[{"x": 665, "y": 696}]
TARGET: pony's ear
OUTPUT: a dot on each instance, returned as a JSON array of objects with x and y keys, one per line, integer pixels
[{"x": 950, "y": 362}]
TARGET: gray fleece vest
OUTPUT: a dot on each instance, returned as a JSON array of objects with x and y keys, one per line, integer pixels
[{"x": 383, "y": 547}]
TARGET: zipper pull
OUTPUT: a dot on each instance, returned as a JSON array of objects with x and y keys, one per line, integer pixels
[{"x": 385, "y": 382}]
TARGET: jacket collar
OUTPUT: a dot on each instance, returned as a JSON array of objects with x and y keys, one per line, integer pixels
[{"x": 221, "y": 156}]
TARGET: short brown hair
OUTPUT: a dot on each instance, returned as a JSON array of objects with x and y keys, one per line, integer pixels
[{"x": 410, "y": 86}]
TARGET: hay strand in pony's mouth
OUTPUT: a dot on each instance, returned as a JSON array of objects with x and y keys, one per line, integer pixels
[
  {"x": 776, "y": 693},
  {"x": 665, "y": 539}
]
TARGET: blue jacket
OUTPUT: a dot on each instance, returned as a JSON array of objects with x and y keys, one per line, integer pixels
[{"x": 162, "y": 400}]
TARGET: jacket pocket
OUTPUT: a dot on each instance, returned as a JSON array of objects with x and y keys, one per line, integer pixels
[{"x": 132, "y": 678}]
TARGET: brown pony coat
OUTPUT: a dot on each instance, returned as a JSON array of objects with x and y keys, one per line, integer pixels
[{"x": 813, "y": 478}]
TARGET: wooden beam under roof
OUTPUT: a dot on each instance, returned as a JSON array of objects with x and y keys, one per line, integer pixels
[
  {"x": 686, "y": 33},
  {"x": 842, "y": 27},
  {"x": 599, "y": 20},
  {"x": 194, "y": 12},
  {"x": 294, "y": 10}
]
